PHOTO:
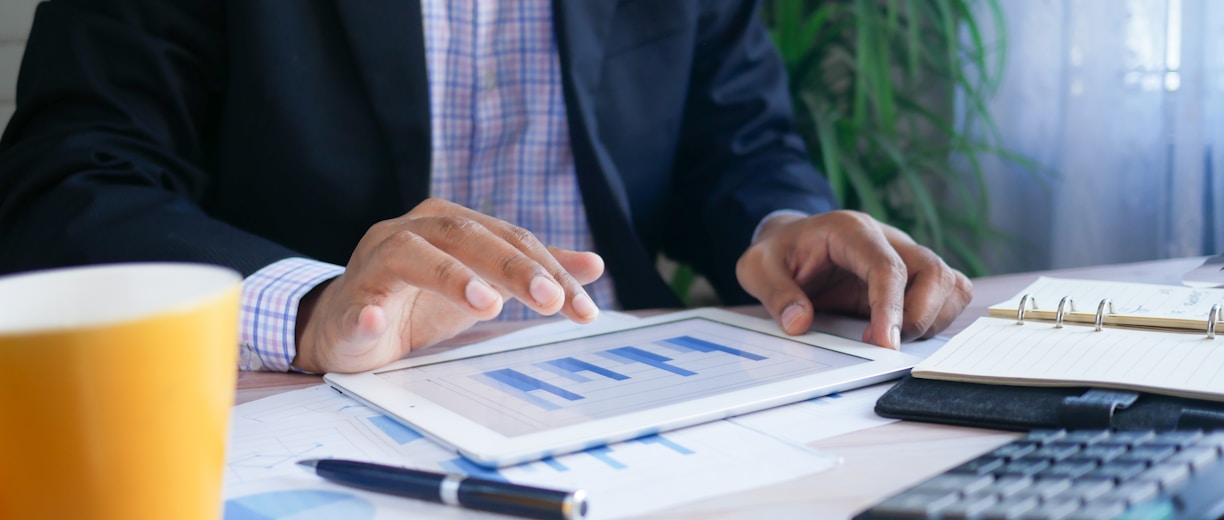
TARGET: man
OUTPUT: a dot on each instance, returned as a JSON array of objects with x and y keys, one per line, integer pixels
[{"x": 287, "y": 138}]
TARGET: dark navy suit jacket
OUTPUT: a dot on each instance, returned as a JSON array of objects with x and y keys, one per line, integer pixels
[{"x": 242, "y": 132}]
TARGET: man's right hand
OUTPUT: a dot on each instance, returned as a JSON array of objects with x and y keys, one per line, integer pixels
[{"x": 428, "y": 275}]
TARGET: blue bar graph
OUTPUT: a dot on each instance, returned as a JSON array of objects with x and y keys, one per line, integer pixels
[
  {"x": 604, "y": 454},
  {"x": 664, "y": 441},
  {"x": 469, "y": 468},
  {"x": 526, "y": 383},
  {"x": 638, "y": 355},
  {"x": 554, "y": 464},
  {"x": 577, "y": 365},
  {"x": 701, "y": 345},
  {"x": 397, "y": 432}
]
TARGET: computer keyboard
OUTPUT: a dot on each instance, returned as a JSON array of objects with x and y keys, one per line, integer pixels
[{"x": 1076, "y": 474}]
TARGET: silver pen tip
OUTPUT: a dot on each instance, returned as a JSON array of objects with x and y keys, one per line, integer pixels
[{"x": 310, "y": 464}]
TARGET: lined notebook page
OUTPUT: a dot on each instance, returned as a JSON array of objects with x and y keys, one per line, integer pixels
[
  {"x": 999, "y": 351},
  {"x": 1141, "y": 304}
]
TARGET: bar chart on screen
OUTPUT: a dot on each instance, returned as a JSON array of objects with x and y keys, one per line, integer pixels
[{"x": 521, "y": 391}]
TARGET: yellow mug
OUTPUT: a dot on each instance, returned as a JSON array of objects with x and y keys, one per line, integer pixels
[{"x": 116, "y": 383}]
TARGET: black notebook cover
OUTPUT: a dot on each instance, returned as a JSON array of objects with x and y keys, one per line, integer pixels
[{"x": 1008, "y": 407}]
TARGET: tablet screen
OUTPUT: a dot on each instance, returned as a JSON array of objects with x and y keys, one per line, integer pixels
[{"x": 549, "y": 386}]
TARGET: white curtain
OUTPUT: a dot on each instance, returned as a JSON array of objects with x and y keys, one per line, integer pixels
[{"x": 1122, "y": 104}]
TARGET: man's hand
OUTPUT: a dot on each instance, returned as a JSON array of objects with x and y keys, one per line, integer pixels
[
  {"x": 426, "y": 276},
  {"x": 846, "y": 261}
]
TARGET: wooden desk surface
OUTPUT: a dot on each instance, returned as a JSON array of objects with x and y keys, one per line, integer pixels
[{"x": 875, "y": 462}]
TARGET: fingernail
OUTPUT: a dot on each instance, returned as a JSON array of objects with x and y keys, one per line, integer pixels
[
  {"x": 479, "y": 295},
  {"x": 894, "y": 337},
  {"x": 790, "y": 314},
  {"x": 544, "y": 291},
  {"x": 585, "y": 307}
]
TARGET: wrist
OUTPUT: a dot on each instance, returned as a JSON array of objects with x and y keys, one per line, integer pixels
[
  {"x": 772, "y": 223},
  {"x": 305, "y": 359}
]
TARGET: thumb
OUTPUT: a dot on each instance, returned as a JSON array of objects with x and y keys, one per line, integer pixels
[
  {"x": 768, "y": 280},
  {"x": 360, "y": 324}
]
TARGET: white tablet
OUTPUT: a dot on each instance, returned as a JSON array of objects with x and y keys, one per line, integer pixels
[{"x": 504, "y": 403}]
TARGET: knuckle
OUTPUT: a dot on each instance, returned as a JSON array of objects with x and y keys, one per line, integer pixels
[
  {"x": 384, "y": 227},
  {"x": 519, "y": 235},
  {"x": 431, "y": 206},
  {"x": 851, "y": 218},
  {"x": 403, "y": 238},
  {"x": 457, "y": 229},
  {"x": 448, "y": 270},
  {"x": 515, "y": 263}
]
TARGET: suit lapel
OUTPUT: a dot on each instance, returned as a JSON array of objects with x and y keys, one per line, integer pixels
[
  {"x": 388, "y": 45},
  {"x": 582, "y": 28}
]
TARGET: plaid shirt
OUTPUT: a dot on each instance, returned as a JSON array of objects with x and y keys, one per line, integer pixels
[{"x": 500, "y": 145}]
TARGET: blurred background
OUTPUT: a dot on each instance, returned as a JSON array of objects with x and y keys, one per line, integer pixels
[{"x": 1009, "y": 135}]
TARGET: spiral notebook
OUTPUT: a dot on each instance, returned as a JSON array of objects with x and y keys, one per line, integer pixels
[{"x": 1064, "y": 332}]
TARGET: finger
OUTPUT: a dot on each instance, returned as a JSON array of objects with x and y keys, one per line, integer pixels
[
  {"x": 931, "y": 284},
  {"x": 936, "y": 293},
  {"x": 407, "y": 258},
  {"x": 584, "y": 266},
  {"x": 867, "y": 253},
  {"x": 573, "y": 302},
  {"x": 953, "y": 306},
  {"x": 765, "y": 275},
  {"x": 510, "y": 258}
]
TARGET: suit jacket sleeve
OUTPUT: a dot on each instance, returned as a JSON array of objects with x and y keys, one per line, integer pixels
[
  {"x": 106, "y": 157},
  {"x": 740, "y": 157}
]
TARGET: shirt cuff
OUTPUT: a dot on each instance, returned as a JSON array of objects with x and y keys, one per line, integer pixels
[
  {"x": 757, "y": 232},
  {"x": 270, "y": 297}
]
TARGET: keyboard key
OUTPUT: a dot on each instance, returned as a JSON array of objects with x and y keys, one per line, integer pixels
[
  {"x": 980, "y": 465},
  {"x": 1054, "y": 509},
  {"x": 1043, "y": 436},
  {"x": 1070, "y": 468},
  {"x": 1118, "y": 471},
  {"x": 915, "y": 505},
  {"x": 1046, "y": 488},
  {"x": 1131, "y": 437},
  {"x": 1168, "y": 475},
  {"x": 969, "y": 507},
  {"x": 1008, "y": 486},
  {"x": 1178, "y": 438},
  {"x": 1214, "y": 440},
  {"x": 1055, "y": 451},
  {"x": 1101, "y": 453},
  {"x": 1089, "y": 489},
  {"x": 1086, "y": 436},
  {"x": 1099, "y": 510},
  {"x": 1010, "y": 508},
  {"x": 1148, "y": 454},
  {"x": 1023, "y": 467},
  {"x": 1198, "y": 457},
  {"x": 964, "y": 483},
  {"x": 1014, "y": 450},
  {"x": 1133, "y": 492}
]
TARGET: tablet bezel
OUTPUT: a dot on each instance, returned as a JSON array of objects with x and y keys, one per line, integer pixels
[{"x": 488, "y": 448}]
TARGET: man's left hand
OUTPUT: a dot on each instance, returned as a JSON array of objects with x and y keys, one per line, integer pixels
[{"x": 846, "y": 261}]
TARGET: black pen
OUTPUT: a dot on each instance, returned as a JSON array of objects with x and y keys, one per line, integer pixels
[{"x": 455, "y": 490}]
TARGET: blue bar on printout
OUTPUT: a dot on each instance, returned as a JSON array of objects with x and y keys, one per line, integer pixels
[
  {"x": 578, "y": 365},
  {"x": 649, "y": 358},
  {"x": 527, "y": 383},
  {"x": 663, "y": 441},
  {"x": 701, "y": 345}
]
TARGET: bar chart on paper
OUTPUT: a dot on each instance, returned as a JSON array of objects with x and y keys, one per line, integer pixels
[{"x": 526, "y": 390}]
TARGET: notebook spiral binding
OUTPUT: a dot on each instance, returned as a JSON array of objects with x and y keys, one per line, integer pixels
[{"x": 1066, "y": 304}]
